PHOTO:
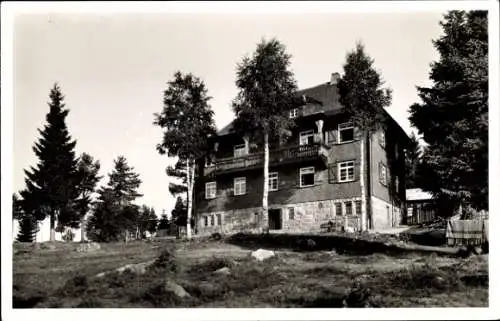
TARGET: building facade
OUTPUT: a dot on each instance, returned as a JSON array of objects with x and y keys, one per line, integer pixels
[
  {"x": 315, "y": 178},
  {"x": 421, "y": 207}
]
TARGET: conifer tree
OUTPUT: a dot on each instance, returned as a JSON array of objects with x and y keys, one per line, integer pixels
[
  {"x": 453, "y": 113},
  {"x": 50, "y": 185}
]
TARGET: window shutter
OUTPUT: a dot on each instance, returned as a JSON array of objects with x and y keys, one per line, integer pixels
[
  {"x": 332, "y": 173},
  {"x": 380, "y": 172},
  {"x": 357, "y": 170},
  {"x": 332, "y": 137}
]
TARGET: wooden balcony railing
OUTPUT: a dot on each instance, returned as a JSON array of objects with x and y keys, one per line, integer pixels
[{"x": 283, "y": 155}]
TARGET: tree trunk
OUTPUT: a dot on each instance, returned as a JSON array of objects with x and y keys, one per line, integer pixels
[
  {"x": 190, "y": 174},
  {"x": 265, "y": 195},
  {"x": 82, "y": 230},
  {"x": 53, "y": 227}
]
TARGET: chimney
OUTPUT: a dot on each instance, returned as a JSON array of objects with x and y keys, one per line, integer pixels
[{"x": 334, "y": 79}]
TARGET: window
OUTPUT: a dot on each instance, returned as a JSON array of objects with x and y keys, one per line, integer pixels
[
  {"x": 306, "y": 137},
  {"x": 410, "y": 210},
  {"x": 212, "y": 220},
  {"x": 205, "y": 220},
  {"x": 306, "y": 176},
  {"x": 291, "y": 213},
  {"x": 256, "y": 217},
  {"x": 348, "y": 208},
  {"x": 219, "y": 219},
  {"x": 240, "y": 186},
  {"x": 358, "y": 207},
  {"x": 294, "y": 113},
  {"x": 239, "y": 150},
  {"x": 338, "y": 209},
  {"x": 346, "y": 132},
  {"x": 382, "y": 138},
  {"x": 382, "y": 174},
  {"x": 273, "y": 181},
  {"x": 210, "y": 190},
  {"x": 346, "y": 171}
]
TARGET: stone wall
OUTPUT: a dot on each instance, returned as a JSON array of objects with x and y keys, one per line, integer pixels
[{"x": 306, "y": 217}]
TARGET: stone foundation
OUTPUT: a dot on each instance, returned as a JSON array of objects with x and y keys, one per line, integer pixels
[{"x": 299, "y": 217}]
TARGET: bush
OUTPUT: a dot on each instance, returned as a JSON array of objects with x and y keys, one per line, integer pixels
[
  {"x": 216, "y": 237},
  {"x": 159, "y": 297},
  {"x": 90, "y": 302},
  {"x": 212, "y": 265},
  {"x": 166, "y": 261},
  {"x": 74, "y": 287},
  {"x": 426, "y": 277}
]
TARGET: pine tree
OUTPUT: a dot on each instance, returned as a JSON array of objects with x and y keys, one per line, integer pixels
[
  {"x": 179, "y": 172},
  {"x": 363, "y": 99},
  {"x": 50, "y": 186},
  {"x": 187, "y": 121},
  {"x": 17, "y": 208},
  {"x": 147, "y": 220},
  {"x": 28, "y": 227},
  {"x": 179, "y": 212},
  {"x": 413, "y": 157},
  {"x": 164, "y": 223},
  {"x": 266, "y": 92},
  {"x": 453, "y": 114},
  {"x": 114, "y": 215}
]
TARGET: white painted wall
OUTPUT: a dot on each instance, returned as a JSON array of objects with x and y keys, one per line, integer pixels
[{"x": 43, "y": 234}]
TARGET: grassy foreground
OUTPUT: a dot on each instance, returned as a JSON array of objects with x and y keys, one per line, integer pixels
[{"x": 62, "y": 277}]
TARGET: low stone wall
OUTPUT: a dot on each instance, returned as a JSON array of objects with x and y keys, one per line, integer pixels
[{"x": 300, "y": 217}]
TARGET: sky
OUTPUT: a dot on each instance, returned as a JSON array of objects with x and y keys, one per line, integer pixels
[{"x": 113, "y": 68}]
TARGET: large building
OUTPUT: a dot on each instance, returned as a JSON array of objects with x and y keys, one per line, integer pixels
[{"x": 315, "y": 178}]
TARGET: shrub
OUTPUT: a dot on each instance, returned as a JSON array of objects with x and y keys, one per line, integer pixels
[
  {"x": 90, "y": 302},
  {"x": 74, "y": 287},
  {"x": 211, "y": 265},
  {"x": 166, "y": 261}
]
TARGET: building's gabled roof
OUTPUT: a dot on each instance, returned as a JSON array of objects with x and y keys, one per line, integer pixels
[
  {"x": 417, "y": 194},
  {"x": 325, "y": 98}
]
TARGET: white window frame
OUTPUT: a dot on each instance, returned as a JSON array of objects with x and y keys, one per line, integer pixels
[
  {"x": 383, "y": 174},
  {"x": 356, "y": 202},
  {"x": 337, "y": 213},
  {"x": 305, "y": 134},
  {"x": 342, "y": 127},
  {"x": 273, "y": 177},
  {"x": 351, "y": 206},
  {"x": 240, "y": 186},
  {"x": 382, "y": 138},
  {"x": 293, "y": 113},
  {"x": 239, "y": 147},
  {"x": 346, "y": 166},
  {"x": 306, "y": 171},
  {"x": 208, "y": 187}
]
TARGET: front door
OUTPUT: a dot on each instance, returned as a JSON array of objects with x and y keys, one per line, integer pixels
[{"x": 275, "y": 219}]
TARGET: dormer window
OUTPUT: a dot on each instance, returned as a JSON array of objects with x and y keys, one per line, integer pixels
[{"x": 294, "y": 113}]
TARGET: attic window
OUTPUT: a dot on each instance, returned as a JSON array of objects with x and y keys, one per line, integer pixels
[
  {"x": 346, "y": 132},
  {"x": 294, "y": 113}
]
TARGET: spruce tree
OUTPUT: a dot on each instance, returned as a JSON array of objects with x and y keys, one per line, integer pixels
[
  {"x": 114, "y": 213},
  {"x": 28, "y": 227},
  {"x": 453, "y": 114},
  {"x": 413, "y": 156},
  {"x": 50, "y": 185},
  {"x": 363, "y": 99}
]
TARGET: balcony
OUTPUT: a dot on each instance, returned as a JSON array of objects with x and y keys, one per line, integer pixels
[{"x": 285, "y": 155}]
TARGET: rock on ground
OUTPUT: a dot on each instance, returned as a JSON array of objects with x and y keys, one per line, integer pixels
[
  {"x": 261, "y": 255},
  {"x": 138, "y": 268},
  {"x": 223, "y": 271},
  {"x": 88, "y": 247},
  {"x": 176, "y": 289}
]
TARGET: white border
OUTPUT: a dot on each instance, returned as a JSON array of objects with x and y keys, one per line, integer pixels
[{"x": 11, "y": 9}]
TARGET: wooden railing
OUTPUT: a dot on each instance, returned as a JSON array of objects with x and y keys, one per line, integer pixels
[{"x": 282, "y": 155}]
